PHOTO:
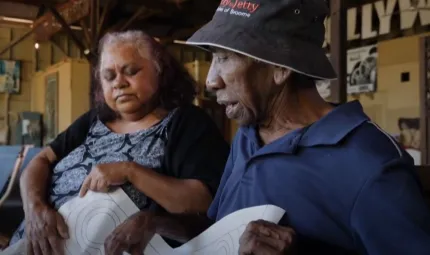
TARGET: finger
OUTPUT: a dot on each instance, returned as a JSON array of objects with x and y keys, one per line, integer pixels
[
  {"x": 257, "y": 247},
  {"x": 114, "y": 247},
  {"x": 44, "y": 246},
  {"x": 276, "y": 244},
  {"x": 284, "y": 233},
  {"x": 93, "y": 185},
  {"x": 62, "y": 228},
  {"x": 85, "y": 186},
  {"x": 136, "y": 250},
  {"x": 57, "y": 245},
  {"x": 29, "y": 247},
  {"x": 256, "y": 227},
  {"x": 36, "y": 248},
  {"x": 102, "y": 186}
]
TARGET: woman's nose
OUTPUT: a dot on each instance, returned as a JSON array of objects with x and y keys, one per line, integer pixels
[{"x": 120, "y": 83}]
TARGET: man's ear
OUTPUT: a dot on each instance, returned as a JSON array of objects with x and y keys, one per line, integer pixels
[{"x": 281, "y": 75}]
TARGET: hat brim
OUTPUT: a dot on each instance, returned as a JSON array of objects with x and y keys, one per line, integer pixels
[{"x": 293, "y": 53}]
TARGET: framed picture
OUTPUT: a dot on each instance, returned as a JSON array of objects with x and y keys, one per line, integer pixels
[
  {"x": 50, "y": 118},
  {"x": 10, "y": 76},
  {"x": 362, "y": 69}
]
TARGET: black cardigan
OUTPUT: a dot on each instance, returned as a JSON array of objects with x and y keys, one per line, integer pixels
[{"x": 195, "y": 148}]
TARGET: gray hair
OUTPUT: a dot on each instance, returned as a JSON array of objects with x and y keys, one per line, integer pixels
[
  {"x": 136, "y": 38},
  {"x": 176, "y": 86}
]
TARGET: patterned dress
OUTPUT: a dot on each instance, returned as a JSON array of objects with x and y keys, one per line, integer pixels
[{"x": 145, "y": 147}]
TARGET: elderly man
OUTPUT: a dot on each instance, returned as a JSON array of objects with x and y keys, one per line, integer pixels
[{"x": 347, "y": 187}]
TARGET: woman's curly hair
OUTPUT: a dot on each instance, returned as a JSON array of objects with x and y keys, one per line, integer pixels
[{"x": 176, "y": 86}]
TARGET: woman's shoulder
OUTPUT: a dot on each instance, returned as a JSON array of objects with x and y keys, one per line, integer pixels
[{"x": 192, "y": 115}]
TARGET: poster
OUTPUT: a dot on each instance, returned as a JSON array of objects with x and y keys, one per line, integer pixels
[
  {"x": 10, "y": 76},
  {"x": 361, "y": 69}
]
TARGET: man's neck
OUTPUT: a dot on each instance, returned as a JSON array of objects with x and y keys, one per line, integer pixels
[{"x": 291, "y": 111}]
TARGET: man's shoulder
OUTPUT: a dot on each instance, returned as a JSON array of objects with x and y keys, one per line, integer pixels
[
  {"x": 372, "y": 149},
  {"x": 371, "y": 140}
]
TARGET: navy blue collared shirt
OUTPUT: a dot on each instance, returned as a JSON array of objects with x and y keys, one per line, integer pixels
[{"x": 345, "y": 184}]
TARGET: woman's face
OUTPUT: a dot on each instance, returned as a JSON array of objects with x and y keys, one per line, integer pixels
[{"x": 129, "y": 80}]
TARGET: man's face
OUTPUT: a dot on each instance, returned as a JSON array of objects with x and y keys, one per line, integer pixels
[{"x": 242, "y": 85}]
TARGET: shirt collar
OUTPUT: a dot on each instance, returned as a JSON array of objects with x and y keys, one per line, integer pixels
[
  {"x": 333, "y": 127},
  {"x": 329, "y": 130}
]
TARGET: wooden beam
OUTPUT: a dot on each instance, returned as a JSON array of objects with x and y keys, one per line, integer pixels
[
  {"x": 86, "y": 32},
  {"x": 71, "y": 11},
  {"x": 16, "y": 41},
  {"x": 136, "y": 15},
  {"x": 31, "y": 2},
  {"x": 105, "y": 12},
  {"x": 338, "y": 50},
  {"x": 155, "y": 4},
  {"x": 94, "y": 24},
  {"x": 69, "y": 31},
  {"x": 424, "y": 65}
]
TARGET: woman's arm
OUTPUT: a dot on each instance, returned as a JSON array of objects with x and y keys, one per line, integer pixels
[
  {"x": 135, "y": 233},
  {"x": 196, "y": 155},
  {"x": 173, "y": 194},
  {"x": 34, "y": 181}
]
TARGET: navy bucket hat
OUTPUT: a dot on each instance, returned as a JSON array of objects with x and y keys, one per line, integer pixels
[{"x": 286, "y": 33}]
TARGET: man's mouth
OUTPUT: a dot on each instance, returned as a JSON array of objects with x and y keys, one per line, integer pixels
[
  {"x": 230, "y": 107},
  {"x": 227, "y": 103}
]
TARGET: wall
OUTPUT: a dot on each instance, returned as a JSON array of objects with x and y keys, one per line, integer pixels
[
  {"x": 49, "y": 53},
  {"x": 394, "y": 99},
  {"x": 396, "y": 102},
  {"x": 81, "y": 79},
  {"x": 73, "y": 90}
]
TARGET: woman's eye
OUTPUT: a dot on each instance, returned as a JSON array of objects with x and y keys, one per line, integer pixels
[
  {"x": 109, "y": 76},
  {"x": 131, "y": 71}
]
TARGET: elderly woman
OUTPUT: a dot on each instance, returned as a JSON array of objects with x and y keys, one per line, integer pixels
[{"x": 144, "y": 136}]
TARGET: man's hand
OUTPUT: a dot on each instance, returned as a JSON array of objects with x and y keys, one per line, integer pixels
[
  {"x": 265, "y": 238},
  {"x": 104, "y": 176},
  {"x": 132, "y": 235},
  {"x": 45, "y": 231}
]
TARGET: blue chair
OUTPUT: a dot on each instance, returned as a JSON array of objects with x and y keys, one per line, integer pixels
[
  {"x": 12, "y": 208},
  {"x": 8, "y": 157}
]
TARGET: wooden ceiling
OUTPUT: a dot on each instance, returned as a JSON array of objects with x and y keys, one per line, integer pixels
[{"x": 176, "y": 19}]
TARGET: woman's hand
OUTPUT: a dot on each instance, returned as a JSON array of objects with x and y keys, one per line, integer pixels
[
  {"x": 266, "y": 238},
  {"x": 132, "y": 235},
  {"x": 104, "y": 176},
  {"x": 45, "y": 231}
]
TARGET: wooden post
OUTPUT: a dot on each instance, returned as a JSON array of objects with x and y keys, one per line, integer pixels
[
  {"x": 94, "y": 35},
  {"x": 425, "y": 100},
  {"x": 338, "y": 50}
]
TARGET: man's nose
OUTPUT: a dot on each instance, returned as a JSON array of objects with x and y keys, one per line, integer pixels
[{"x": 213, "y": 80}]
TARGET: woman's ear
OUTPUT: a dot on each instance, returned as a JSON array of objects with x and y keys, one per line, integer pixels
[{"x": 281, "y": 75}]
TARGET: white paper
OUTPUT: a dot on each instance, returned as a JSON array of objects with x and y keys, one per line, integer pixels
[
  {"x": 222, "y": 238},
  {"x": 92, "y": 218}
]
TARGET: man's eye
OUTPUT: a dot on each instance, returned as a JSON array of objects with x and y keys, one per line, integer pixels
[{"x": 222, "y": 58}]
